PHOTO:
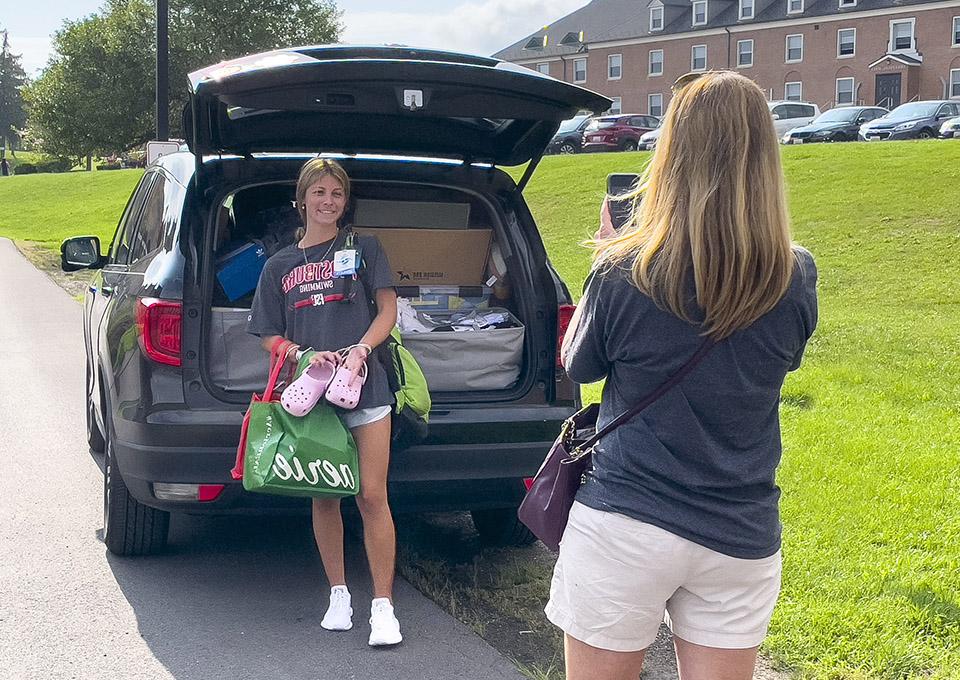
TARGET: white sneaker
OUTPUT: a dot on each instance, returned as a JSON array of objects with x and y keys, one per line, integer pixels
[
  {"x": 339, "y": 612},
  {"x": 384, "y": 627}
]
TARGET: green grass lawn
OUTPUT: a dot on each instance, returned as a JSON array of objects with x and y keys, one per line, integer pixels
[
  {"x": 50, "y": 207},
  {"x": 871, "y": 422}
]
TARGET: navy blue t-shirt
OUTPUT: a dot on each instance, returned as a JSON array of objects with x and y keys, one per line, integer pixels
[{"x": 701, "y": 461}]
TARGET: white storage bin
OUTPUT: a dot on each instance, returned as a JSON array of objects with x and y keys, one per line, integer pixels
[{"x": 457, "y": 361}]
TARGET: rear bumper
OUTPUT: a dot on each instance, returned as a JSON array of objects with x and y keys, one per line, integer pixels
[
  {"x": 600, "y": 146},
  {"x": 439, "y": 474}
]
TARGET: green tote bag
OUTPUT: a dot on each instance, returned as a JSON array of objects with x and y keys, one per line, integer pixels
[{"x": 287, "y": 455}]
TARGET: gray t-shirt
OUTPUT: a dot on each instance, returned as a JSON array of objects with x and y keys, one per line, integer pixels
[
  {"x": 701, "y": 461},
  {"x": 297, "y": 297}
]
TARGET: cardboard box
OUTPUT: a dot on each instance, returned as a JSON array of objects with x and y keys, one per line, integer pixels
[
  {"x": 370, "y": 212},
  {"x": 435, "y": 256}
]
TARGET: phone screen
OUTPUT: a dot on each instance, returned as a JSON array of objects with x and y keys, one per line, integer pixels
[{"x": 619, "y": 184}]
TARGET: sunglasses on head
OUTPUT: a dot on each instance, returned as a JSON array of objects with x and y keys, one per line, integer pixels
[{"x": 686, "y": 79}]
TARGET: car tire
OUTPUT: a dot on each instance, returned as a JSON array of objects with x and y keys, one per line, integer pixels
[
  {"x": 501, "y": 527},
  {"x": 95, "y": 439},
  {"x": 129, "y": 527},
  {"x": 567, "y": 148},
  {"x": 926, "y": 133},
  {"x": 628, "y": 145}
]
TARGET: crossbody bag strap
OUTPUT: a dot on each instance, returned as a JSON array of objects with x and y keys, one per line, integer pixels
[{"x": 670, "y": 383}]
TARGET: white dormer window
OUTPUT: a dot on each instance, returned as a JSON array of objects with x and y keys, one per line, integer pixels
[
  {"x": 794, "y": 6},
  {"x": 746, "y": 9},
  {"x": 848, "y": 3},
  {"x": 902, "y": 35},
  {"x": 699, "y": 12},
  {"x": 656, "y": 18}
]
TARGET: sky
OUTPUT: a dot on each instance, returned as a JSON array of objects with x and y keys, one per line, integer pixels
[{"x": 474, "y": 26}]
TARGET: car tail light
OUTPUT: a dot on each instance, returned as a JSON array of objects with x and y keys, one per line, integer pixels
[
  {"x": 564, "y": 314},
  {"x": 528, "y": 482},
  {"x": 158, "y": 325}
]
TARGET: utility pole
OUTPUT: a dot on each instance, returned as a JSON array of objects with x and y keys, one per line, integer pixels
[
  {"x": 3, "y": 97},
  {"x": 163, "y": 75}
]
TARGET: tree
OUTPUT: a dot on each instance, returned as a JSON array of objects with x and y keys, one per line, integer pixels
[
  {"x": 97, "y": 95},
  {"x": 12, "y": 79}
]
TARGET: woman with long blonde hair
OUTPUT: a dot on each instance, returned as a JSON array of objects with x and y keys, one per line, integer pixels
[{"x": 678, "y": 519}]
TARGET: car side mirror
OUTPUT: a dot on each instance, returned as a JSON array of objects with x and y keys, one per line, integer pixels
[
  {"x": 861, "y": 120},
  {"x": 776, "y": 116},
  {"x": 81, "y": 252}
]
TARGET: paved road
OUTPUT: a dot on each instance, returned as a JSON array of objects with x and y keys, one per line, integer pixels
[{"x": 231, "y": 598}]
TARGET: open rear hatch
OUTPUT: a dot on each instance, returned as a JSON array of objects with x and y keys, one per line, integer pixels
[{"x": 381, "y": 100}]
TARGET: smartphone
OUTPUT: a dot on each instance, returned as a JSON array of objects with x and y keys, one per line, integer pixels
[{"x": 620, "y": 184}]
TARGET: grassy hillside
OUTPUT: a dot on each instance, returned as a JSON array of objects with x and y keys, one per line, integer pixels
[
  {"x": 871, "y": 422},
  {"x": 50, "y": 207}
]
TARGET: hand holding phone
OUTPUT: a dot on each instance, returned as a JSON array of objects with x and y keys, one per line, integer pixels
[{"x": 620, "y": 184}]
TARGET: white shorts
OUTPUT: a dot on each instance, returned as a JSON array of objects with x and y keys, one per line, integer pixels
[
  {"x": 364, "y": 416},
  {"x": 617, "y": 578}
]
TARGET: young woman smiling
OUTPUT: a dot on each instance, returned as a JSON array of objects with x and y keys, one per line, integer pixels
[{"x": 300, "y": 298}]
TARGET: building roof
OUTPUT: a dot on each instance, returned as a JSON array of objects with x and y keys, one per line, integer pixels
[{"x": 608, "y": 20}]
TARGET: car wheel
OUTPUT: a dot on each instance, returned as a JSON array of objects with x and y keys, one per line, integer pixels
[
  {"x": 568, "y": 148},
  {"x": 94, "y": 436},
  {"x": 129, "y": 527},
  {"x": 925, "y": 134},
  {"x": 501, "y": 527},
  {"x": 628, "y": 145}
]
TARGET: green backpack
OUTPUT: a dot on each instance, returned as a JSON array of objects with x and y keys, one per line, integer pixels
[{"x": 409, "y": 386}]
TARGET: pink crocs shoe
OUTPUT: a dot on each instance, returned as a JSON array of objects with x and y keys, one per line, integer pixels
[
  {"x": 341, "y": 392},
  {"x": 304, "y": 392}
]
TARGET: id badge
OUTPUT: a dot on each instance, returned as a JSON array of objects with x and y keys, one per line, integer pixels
[{"x": 345, "y": 262}]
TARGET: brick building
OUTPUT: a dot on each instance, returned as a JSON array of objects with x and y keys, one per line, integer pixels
[{"x": 829, "y": 52}]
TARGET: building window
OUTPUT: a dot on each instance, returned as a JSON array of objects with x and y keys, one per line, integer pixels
[
  {"x": 794, "y": 6},
  {"x": 699, "y": 12},
  {"x": 579, "y": 70},
  {"x": 544, "y": 68},
  {"x": 955, "y": 82},
  {"x": 656, "y": 18},
  {"x": 793, "y": 92},
  {"x": 744, "y": 53},
  {"x": 848, "y": 3},
  {"x": 655, "y": 104},
  {"x": 901, "y": 34},
  {"x": 656, "y": 63},
  {"x": 698, "y": 58},
  {"x": 794, "y": 48},
  {"x": 844, "y": 91},
  {"x": 846, "y": 42},
  {"x": 614, "y": 66},
  {"x": 614, "y": 109},
  {"x": 746, "y": 9},
  {"x": 956, "y": 31}
]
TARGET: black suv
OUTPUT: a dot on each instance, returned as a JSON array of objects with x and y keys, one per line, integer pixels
[{"x": 170, "y": 368}]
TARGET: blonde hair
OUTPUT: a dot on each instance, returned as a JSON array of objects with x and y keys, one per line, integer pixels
[
  {"x": 711, "y": 201},
  {"x": 311, "y": 172}
]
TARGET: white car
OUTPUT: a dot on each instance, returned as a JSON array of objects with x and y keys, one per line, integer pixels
[
  {"x": 949, "y": 129},
  {"x": 648, "y": 140},
  {"x": 789, "y": 115}
]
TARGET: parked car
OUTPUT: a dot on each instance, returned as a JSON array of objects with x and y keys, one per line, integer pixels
[
  {"x": 617, "y": 133},
  {"x": 170, "y": 367},
  {"x": 788, "y": 114},
  {"x": 836, "y": 125},
  {"x": 569, "y": 137},
  {"x": 914, "y": 120},
  {"x": 648, "y": 140},
  {"x": 950, "y": 128}
]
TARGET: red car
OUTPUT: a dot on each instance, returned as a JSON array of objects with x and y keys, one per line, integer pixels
[{"x": 617, "y": 133}]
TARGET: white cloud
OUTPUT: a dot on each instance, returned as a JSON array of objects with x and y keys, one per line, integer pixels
[
  {"x": 474, "y": 27},
  {"x": 34, "y": 52}
]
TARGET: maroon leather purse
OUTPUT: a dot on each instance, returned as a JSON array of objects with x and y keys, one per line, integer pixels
[{"x": 546, "y": 506}]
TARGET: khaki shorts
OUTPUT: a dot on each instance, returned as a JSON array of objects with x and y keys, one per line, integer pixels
[{"x": 617, "y": 578}]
